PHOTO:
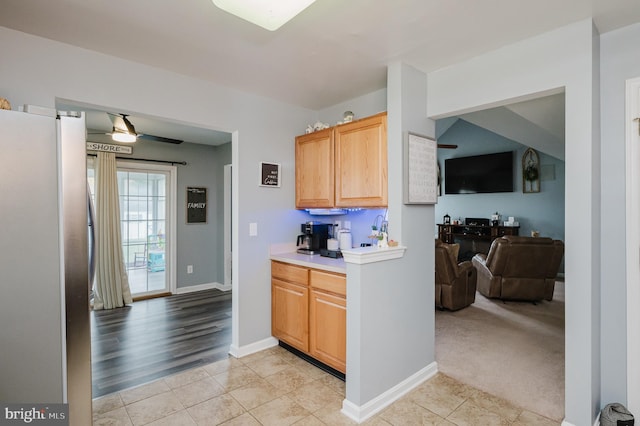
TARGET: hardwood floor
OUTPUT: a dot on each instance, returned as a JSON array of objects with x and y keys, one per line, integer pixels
[{"x": 157, "y": 337}]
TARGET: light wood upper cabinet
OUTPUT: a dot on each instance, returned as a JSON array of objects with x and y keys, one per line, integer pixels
[
  {"x": 315, "y": 170},
  {"x": 361, "y": 162},
  {"x": 343, "y": 166}
]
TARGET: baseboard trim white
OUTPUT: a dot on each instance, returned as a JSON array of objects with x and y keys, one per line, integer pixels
[
  {"x": 566, "y": 423},
  {"x": 361, "y": 413},
  {"x": 241, "y": 351},
  {"x": 222, "y": 287},
  {"x": 200, "y": 287}
]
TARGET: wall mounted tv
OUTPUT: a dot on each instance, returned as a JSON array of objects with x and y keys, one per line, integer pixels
[{"x": 479, "y": 174}]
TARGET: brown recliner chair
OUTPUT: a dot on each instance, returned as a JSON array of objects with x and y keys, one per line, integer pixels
[
  {"x": 519, "y": 268},
  {"x": 455, "y": 282}
]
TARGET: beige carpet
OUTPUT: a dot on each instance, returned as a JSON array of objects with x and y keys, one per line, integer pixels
[{"x": 513, "y": 350}]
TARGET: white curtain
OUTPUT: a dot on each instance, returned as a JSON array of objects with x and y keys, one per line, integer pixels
[{"x": 111, "y": 283}]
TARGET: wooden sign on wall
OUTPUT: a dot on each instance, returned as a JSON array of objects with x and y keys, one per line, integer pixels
[{"x": 196, "y": 205}]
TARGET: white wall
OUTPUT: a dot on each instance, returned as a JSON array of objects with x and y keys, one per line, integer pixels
[
  {"x": 619, "y": 61},
  {"x": 38, "y": 71},
  {"x": 391, "y": 303},
  {"x": 363, "y": 106},
  {"x": 542, "y": 64}
]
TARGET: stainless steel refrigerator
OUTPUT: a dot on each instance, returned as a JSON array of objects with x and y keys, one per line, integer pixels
[{"x": 44, "y": 274}]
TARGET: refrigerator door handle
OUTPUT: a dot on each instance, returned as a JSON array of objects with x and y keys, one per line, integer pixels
[{"x": 92, "y": 241}]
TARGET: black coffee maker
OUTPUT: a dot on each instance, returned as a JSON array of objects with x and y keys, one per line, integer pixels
[{"x": 313, "y": 238}]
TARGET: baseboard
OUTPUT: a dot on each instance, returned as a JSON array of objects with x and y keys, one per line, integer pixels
[
  {"x": 200, "y": 287},
  {"x": 596, "y": 423},
  {"x": 241, "y": 351},
  {"x": 222, "y": 287},
  {"x": 361, "y": 413}
]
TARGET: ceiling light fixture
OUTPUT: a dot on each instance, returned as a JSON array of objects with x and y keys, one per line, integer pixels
[
  {"x": 123, "y": 130},
  {"x": 120, "y": 136},
  {"x": 267, "y": 14}
]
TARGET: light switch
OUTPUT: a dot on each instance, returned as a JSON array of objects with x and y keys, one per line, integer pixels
[{"x": 253, "y": 229}]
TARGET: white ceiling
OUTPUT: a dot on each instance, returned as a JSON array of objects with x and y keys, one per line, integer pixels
[{"x": 333, "y": 51}]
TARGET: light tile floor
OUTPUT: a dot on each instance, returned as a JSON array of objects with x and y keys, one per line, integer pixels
[{"x": 275, "y": 387}]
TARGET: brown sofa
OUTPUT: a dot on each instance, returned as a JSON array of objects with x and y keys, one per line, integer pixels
[
  {"x": 519, "y": 268},
  {"x": 455, "y": 282}
]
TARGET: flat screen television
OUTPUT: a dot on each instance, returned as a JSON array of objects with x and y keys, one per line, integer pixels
[{"x": 479, "y": 174}]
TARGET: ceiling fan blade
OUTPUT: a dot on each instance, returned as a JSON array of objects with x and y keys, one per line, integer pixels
[
  {"x": 159, "y": 139},
  {"x": 447, "y": 146}
]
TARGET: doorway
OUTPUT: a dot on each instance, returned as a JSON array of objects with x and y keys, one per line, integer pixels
[
  {"x": 228, "y": 246},
  {"x": 492, "y": 131}
]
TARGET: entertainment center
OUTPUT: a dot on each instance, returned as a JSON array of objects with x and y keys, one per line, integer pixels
[{"x": 476, "y": 237}]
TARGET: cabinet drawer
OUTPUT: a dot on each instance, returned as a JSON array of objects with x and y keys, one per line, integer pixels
[
  {"x": 288, "y": 272},
  {"x": 334, "y": 283}
]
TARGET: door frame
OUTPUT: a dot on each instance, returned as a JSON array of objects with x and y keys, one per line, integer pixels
[
  {"x": 632, "y": 136},
  {"x": 228, "y": 246},
  {"x": 172, "y": 185}
]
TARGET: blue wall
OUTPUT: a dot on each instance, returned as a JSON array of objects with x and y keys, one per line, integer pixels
[{"x": 543, "y": 211}]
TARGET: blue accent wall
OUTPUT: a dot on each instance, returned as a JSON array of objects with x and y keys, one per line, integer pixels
[{"x": 543, "y": 211}]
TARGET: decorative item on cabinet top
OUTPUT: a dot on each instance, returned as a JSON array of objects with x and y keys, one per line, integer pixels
[
  {"x": 5, "y": 104},
  {"x": 347, "y": 117}
]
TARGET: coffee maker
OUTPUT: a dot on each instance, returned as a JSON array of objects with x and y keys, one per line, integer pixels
[{"x": 313, "y": 238}]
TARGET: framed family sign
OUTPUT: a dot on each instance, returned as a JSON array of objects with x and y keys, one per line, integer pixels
[
  {"x": 420, "y": 170},
  {"x": 196, "y": 204}
]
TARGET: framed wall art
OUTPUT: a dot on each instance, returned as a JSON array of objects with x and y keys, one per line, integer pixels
[
  {"x": 269, "y": 174},
  {"x": 420, "y": 170},
  {"x": 196, "y": 204}
]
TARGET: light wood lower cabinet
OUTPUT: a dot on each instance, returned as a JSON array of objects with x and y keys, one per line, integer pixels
[
  {"x": 328, "y": 329},
  {"x": 311, "y": 317},
  {"x": 290, "y": 303}
]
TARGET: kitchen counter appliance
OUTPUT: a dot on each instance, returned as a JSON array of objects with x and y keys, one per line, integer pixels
[{"x": 313, "y": 238}]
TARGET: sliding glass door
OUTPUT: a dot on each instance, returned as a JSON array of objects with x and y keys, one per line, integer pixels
[
  {"x": 146, "y": 214},
  {"x": 143, "y": 219}
]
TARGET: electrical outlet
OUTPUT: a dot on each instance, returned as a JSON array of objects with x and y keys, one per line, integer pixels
[
  {"x": 189, "y": 269},
  {"x": 347, "y": 224}
]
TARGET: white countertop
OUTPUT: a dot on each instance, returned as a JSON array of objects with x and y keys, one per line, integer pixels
[{"x": 312, "y": 261}]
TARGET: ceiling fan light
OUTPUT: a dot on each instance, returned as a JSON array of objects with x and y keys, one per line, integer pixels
[
  {"x": 119, "y": 136},
  {"x": 270, "y": 15}
]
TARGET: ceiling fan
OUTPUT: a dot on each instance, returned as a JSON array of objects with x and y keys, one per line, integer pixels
[
  {"x": 124, "y": 131},
  {"x": 447, "y": 146}
]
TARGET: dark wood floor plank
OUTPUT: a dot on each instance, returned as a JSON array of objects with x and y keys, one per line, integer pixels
[{"x": 155, "y": 338}]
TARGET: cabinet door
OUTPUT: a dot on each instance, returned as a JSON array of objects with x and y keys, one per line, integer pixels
[
  {"x": 315, "y": 170},
  {"x": 328, "y": 329},
  {"x": 290, "y": 313},
  {"x": 361, "y": 162}
]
